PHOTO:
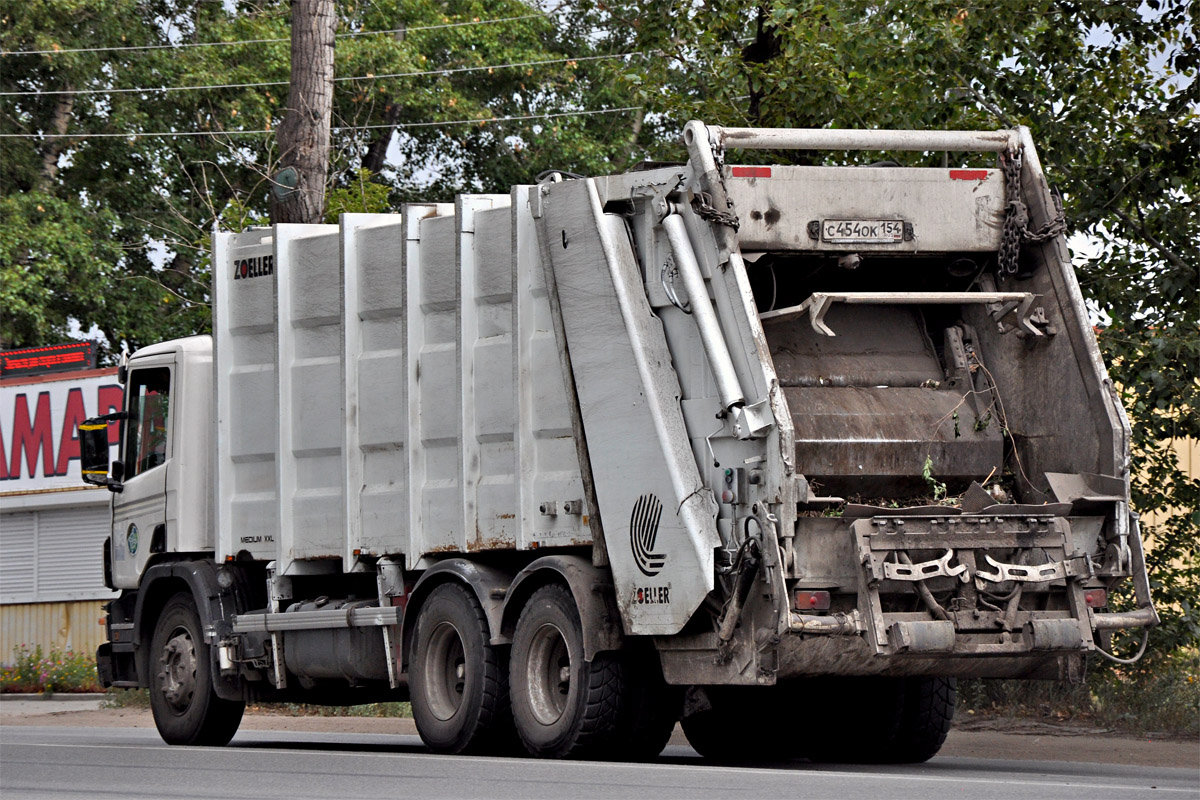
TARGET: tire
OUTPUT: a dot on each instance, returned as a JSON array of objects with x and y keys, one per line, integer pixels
[
  {"x": 925, "y": 720},
  {"x": 742, "y": 726},
  {"x": 459, "y": 684},
  {"x": 860, "y": 718},
  {"x": 184, "y": 703},
  {"x": 882, "y": 720},
  {"x": 562, "y": 705},
  {"x": 652, "y": 708}
]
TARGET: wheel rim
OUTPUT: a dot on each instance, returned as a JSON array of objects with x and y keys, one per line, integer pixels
[
  {"x": 178, "y": 672},
  {"x": 549, "y": 674},
  {"x": 447, "y": 671}
]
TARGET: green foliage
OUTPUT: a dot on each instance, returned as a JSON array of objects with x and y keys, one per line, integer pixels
[
  {"x": 1173, "y": 545},
  {"x": 56, "y": 261},
  {"x": 56, "y": 671},
  {"x": 151, "y": 202},
  {"x": 936, "y": 488},
  {"x": 1161, "y": 697},
  {"x": 361, "y": 196}
]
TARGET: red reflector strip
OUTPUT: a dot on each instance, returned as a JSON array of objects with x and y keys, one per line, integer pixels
[
  {"x": 811, "y": 601},
  {"x": 968, "y": 174},
  {"x": 751, "y": 172},
  {"x": 1095, "y": 598}
]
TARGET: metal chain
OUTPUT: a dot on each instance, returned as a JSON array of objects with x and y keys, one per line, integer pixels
[
  {"x": 1052, "y": 228},
  {"x": 702, "y": 205},
  {"x": 1015, "y": 215},
  {"x": 1016, "y": 218},
  {"x": 702, "y": 201}
]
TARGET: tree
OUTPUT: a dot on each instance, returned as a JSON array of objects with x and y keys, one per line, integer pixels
[
  {"x": 442, "y": 78},
  {"x": 304, "y": 134}
]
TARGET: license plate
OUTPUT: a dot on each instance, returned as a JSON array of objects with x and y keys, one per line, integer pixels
[{"x": 862, "y": 230}]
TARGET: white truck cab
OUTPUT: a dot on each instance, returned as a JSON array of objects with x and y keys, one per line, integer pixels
[{"x": 162, "y": 502}]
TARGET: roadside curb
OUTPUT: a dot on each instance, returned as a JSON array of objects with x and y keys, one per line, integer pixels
[{"x": 55, "y": 696}]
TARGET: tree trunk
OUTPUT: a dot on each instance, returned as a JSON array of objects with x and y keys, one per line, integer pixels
[
  {"x": 635, "y": 131},
  {"x": 377, "y": 151},
  {"x": 304, "y": 135},
  {"x": 63, "y": 108}
]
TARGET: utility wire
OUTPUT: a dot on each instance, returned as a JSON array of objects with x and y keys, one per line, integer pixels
[
  {"x": 371, "y": 77},
  {"x": 340, "y": 129},
  {"x": 182, "y": 45}
]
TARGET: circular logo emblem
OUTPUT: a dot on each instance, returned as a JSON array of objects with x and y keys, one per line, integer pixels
[{"x": 131, "y": 538}]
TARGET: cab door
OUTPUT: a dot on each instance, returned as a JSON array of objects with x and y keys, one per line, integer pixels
[{"x": 140, "y": 509}]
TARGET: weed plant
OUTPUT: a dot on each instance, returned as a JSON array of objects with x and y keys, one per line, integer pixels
[
  {"x": 1155, "y": 696},
  {"x": 34, "y": 670}
]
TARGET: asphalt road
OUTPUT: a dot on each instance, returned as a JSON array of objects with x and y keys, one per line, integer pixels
[{"x": 57, "y": 762}]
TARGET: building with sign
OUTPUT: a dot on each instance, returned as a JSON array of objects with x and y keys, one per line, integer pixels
[{"x": 52, "y": 526}]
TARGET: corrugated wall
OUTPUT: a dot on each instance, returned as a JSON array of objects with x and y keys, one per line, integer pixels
[{"x": 65, "y": 626}]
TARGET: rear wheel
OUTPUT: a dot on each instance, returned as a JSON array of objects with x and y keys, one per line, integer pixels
[
  {"x": 185, "y": 705},
  {"x": 881, "y": 720},
  {"x": 651, "y": 709},
  {"x": 741, "y": 726},
  {"x": 924, "y": 721},
  {"x": 458, "y": 681},
  {"x": 562, "y": 704},
  {"x": 860, "y": 718}
]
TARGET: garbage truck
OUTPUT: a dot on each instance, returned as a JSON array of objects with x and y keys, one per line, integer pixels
[{"x": 759, "y": 448}]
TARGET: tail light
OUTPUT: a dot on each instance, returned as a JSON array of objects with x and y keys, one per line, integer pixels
[{"x": 807, "y": 600}]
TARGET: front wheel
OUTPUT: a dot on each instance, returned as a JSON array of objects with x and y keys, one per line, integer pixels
[{"x": 185, "y": 705}]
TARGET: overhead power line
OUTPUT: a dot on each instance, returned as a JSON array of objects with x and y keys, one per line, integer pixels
[
  {"x": 237, "y": 42},
  {"x": 371, "y": 77},
  {"x": 339, "y": 129}
]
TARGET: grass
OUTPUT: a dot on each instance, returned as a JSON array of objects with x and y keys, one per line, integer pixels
[
  {"x": 140, "y": 698},
  {"x": 308, "y": 710},
  {"x": 126, "y": 698},
  {"x": 1160, "y": 697}
]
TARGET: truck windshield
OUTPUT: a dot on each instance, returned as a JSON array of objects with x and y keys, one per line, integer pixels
[{"x": 149, "y": 405}]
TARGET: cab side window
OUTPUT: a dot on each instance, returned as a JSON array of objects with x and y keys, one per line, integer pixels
[{"x": 149, "y": 408}]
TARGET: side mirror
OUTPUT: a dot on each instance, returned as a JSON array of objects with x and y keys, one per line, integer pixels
[{"x": 93, "y": 452}]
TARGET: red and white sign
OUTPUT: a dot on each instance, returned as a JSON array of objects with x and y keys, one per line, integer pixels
[{"x": 39, "y": 427}]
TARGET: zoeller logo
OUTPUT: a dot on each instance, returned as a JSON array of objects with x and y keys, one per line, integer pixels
[
  {"x": 255, "y": 267},
  {"x": 643, "y": 530}
]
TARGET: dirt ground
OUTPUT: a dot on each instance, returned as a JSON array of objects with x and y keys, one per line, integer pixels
[{"x": 1022, "y": 740}]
